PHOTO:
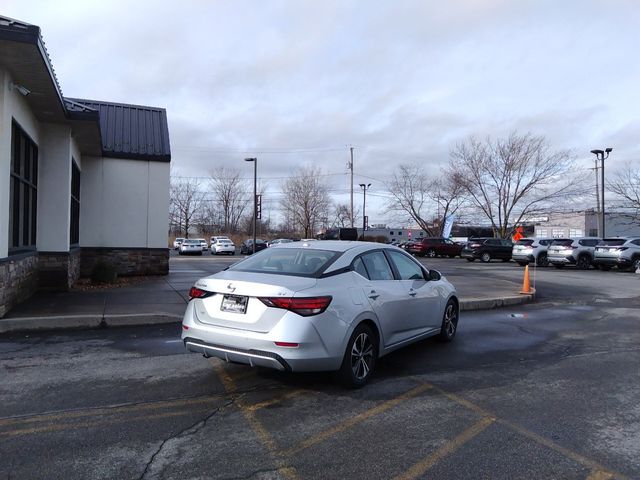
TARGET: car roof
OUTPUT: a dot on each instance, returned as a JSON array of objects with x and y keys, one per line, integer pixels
[{"x": 334, "y": 245}]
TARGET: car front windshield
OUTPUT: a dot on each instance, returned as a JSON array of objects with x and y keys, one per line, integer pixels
[{"x": 303, "y": 262}]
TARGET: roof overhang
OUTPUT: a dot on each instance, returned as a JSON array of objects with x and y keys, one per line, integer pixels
[{"x": 23, "y": 53}]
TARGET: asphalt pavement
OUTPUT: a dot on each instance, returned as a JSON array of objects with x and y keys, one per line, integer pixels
[{"x": 543, "y": 390}]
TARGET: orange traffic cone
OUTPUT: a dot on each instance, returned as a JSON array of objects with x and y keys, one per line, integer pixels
[{"x": 526, "y": 285}]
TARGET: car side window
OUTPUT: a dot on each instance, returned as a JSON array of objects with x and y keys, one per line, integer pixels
[
  {"x": 377, "y": 266},
  {"x": 358, "y": 267},
  {"x": 492, "y": 241},
  {"x": 406, "y": 267},
  {"x": 636, "y": 242}
]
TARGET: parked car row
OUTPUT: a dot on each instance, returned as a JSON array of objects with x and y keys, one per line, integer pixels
[{"x": 583, "y": 252}]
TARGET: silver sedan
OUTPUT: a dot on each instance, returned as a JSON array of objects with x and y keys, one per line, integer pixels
[{"x": 313, "y": 306}]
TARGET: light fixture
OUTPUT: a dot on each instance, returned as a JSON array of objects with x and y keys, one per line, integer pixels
[{"x": 24, "y": 91}]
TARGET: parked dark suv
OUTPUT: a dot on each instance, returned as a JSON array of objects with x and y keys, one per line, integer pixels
[
  {"x": 486, "y": 249},
  {"x": 246, "y": 247},
  {"x": 436, "y": 246}
]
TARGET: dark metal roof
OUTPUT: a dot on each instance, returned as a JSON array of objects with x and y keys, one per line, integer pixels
[{"x": 129, "y": 131}]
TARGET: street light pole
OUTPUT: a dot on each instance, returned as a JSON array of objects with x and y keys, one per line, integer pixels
[
  {"x": 601, "y": 156},
  {"x": 255, "y": 197},
  {"x": 364, "y": 206}
]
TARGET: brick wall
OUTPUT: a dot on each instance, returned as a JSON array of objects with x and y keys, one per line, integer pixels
[
  {"x": 127, "y": 261},
  {"x": 58, "y": 270},
  {"x": 18, "y": 280}
]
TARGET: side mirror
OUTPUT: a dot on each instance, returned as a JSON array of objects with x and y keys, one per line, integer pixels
[{"x": 434, "y": 275}]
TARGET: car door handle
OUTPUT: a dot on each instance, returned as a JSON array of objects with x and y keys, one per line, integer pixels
[
  {"x": 412, "y": 292},
  {"x": 373, "y": 295}
]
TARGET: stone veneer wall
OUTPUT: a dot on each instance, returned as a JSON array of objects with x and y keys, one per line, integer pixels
[
  {"x": 127, "y": 261},
  {"x": 58, "y": 270},
  {"x": 18, "y": 280}
]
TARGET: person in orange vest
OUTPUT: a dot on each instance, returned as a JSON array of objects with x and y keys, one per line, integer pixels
[{"x": 519, "y": 234}]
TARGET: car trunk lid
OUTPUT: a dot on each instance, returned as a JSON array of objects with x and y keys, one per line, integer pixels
[{"x": 236, "y": 300}]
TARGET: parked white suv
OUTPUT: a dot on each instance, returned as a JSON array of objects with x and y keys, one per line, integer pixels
[
  {"x": 577, "y": 251},
  {"x": 222, "y": 245},
  {"x": 623, "y": 253},
  {"x": 177, "y": 242},
  {"x": 531, "y": 250}
]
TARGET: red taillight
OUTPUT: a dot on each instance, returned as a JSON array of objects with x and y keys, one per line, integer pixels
[
  {"x": 196, "y": 292},
  {"x": 286, "y": 344},
  {"x": 302, "y": 306},
  {"x": 184, "y": 327}
]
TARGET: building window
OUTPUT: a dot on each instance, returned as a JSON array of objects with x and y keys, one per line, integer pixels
[
  {"x": 557, "y": 232},
  {"x": 74, "y": 228},
  {"x": 23, "y": 193},
  {"x": 593, "y": 232},
  {"x": 399, "y": 234},
  {"x": 542, "y": 232},
  {"x": 575, "y": 232}
]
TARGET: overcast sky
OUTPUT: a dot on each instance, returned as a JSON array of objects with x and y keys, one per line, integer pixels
[{"x": 297, "y": 82}]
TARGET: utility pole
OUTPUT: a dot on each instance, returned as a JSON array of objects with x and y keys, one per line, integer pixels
[
  {"x": 351, "y": 168},
  {"x": 597, "y": 197},
  {"x": 255, "y": 197}
]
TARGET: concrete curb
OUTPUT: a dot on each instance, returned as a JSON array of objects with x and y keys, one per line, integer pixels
[
  {"x": 29, "y": 324},
  {"x": 68, "y": 322}
]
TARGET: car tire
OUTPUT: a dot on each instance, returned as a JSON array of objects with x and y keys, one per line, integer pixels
[
  {"x": 485, "y": 257},
  {"x": 200, "y": 253},
  {"x": 522, "y": 264},
  {"x": 542, "y": 260},
  {"x": 431, "y": 253},
  {"x": 470, "y": 259},
  {"x": 583, "y": 263},
  {"x": 359, "y": 358},
  {"x": 449, "y": 325}
]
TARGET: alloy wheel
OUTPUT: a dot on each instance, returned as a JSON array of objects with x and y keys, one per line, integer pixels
[
  {"x": 431, "y": 253},
  {"x": 485, "y": 257},
  {"x": 361, "y": 356},
  {"x": 449, "y": 322}
]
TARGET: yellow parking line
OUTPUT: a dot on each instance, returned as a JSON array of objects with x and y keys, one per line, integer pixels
[
  {"x": 263, "y": 435},
  {"x": 449, "y": 447},
  {"x": 275, "y": 400},
  {"x": 98, "y": 423},
  {"x": 101, "y": 411},
  {"x": 350, "y": 422},
  {"x": 594, "y": 466},
  {"x": 599, "y": 475}
]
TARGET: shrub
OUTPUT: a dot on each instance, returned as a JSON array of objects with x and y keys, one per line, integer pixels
[{"x": 103, "y": 273}]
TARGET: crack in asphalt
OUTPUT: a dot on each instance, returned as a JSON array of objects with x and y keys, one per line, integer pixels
[{"x": 196, "y": 427}]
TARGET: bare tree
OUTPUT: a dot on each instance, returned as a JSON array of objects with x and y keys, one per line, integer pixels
[
  {"x": 511, "y": 178},
  {"x": 626, "y": 185},
  {"x": 306, "y": 200},
  {"x": 342, "y": 215},
  {"x": 230, "y": 191},
  {"x": 426, "y": 200},
  {"x": 186, "y": 202}
]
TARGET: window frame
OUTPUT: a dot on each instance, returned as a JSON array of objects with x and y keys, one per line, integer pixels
[
  {"x": 74, "y": 209},
  {"x": 23, "y": 187}
]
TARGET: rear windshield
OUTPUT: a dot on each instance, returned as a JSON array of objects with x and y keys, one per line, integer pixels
[
  {"x": 303, "y": 262},
  {"x": 527, "y": 242},
  {"x": 191, "y": 242},
  {"x": 612, "y": 242},
  {"x": 563, "y": 242}
]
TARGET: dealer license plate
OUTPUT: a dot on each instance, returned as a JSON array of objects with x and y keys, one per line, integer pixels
[{"x": 234, "y": 304}]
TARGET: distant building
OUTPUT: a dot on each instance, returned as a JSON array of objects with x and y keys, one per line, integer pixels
[
  {"x": 81, "y": 181},
  {"x": 585, "y": 224}
]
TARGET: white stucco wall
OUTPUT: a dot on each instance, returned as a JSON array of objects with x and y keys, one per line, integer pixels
[
  {"x": 123, "y": 203},
  {"x": 54, "y": 188},
  {"x": 12, "y": 106}
]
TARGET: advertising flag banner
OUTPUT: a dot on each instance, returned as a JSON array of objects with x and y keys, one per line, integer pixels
[{"x": 448, "y": 224}]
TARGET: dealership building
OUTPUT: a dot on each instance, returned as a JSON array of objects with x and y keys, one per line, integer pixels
[{"x": 81, "y": 181}]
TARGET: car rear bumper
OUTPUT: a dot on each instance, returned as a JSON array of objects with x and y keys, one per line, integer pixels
[
  {"x": 259, "y": 349},
  {"x": 518, "y": 257},
  {"x": 612, "y": 261},
  {"x": 564, "y": 260}
]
